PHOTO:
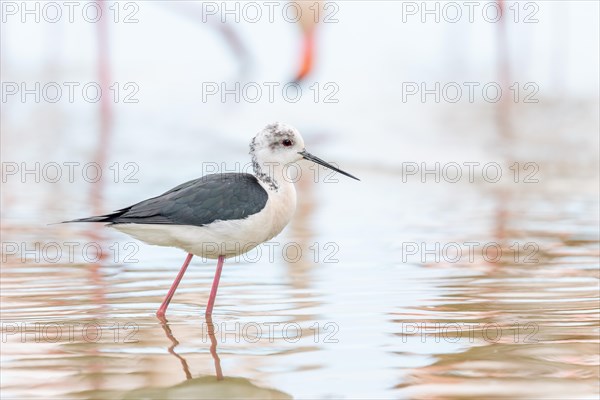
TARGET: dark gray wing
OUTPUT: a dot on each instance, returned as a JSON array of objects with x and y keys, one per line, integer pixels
[{"x": 197, "y": 202}]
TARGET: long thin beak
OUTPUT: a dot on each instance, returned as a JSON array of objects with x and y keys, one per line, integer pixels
[{"x": 307, "y": 156}]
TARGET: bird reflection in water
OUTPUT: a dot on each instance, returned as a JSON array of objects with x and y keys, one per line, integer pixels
[{"x": 210, "y": 327}]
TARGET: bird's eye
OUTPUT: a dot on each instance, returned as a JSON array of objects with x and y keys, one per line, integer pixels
[{"x": 287, "y": 142}]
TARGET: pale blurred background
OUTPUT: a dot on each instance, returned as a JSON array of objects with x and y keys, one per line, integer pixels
[{"x": 361, "y": 57}]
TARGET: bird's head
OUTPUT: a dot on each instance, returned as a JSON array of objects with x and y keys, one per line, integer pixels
[
  {"x": 277, "y": 143},
  {"x": 281, "y": 144}
]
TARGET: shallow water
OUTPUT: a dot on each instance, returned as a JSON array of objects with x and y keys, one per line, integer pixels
[{"x": 369, "y": 318}]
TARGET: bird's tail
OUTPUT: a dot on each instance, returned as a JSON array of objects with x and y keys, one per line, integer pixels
[{"x": 98, "y": 218}]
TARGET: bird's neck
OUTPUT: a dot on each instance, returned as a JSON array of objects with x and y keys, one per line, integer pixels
[{"x": 270, "y": 173}]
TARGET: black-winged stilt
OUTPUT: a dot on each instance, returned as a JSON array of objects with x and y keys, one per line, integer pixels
[{"x": 221, "y": 215}]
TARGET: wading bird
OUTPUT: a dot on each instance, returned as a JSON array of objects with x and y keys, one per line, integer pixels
[{"x": 221, "y": 215}]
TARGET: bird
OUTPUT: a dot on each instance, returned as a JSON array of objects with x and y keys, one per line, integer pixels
[{"x": 222, "y": 215}]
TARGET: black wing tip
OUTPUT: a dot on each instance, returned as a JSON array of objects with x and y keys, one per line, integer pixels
[{"x": 99, "y": 218}]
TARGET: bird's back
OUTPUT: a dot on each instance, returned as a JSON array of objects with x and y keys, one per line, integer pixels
[{"x": 199, "y": 202}]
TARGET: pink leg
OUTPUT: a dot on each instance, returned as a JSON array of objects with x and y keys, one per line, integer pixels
[
  {"x": 215, "y": 286},
  {"x": 163, "y": 307},
  {"x": 307, "y": 55}
]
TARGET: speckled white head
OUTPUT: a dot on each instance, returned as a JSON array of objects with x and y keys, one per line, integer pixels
[{"x": 277, "y": 145}]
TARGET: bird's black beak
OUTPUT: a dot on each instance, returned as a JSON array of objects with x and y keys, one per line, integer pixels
[{"x": 307, "y": 156}]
